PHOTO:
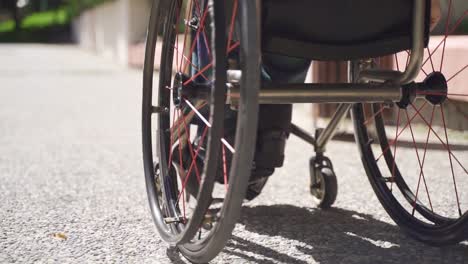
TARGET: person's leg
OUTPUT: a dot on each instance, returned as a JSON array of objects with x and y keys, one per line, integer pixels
[{"x": 274, "y": 120}]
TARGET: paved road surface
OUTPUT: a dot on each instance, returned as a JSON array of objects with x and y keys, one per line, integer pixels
[{"x": 72, "y": 190}]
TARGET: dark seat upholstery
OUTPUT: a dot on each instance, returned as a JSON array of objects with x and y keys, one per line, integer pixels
[{"x": 337, "y": 29}]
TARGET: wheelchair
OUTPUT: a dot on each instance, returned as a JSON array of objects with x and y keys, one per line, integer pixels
[{"x": 203, "y": 66}]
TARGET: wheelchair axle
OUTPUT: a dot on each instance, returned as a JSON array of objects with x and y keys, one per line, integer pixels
[{"x": 433, "y": 89}]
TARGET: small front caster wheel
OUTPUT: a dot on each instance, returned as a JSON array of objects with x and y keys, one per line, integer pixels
[{"x": 323, "y": 186}]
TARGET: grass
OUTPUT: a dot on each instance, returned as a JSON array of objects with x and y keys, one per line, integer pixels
[
  {"x": 52, "y": 18},
  {"x": 48, "y": 26},
  {"x": 46, "y": 19}
]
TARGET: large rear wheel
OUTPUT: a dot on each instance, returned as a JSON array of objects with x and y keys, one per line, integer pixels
[
  {"x": 415, "y": 152},
  {"x": 198, "y": 169}
]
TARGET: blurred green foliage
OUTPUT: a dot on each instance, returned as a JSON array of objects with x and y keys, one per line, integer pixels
[
  {"x": 75, "y": 7},
  {"x": 43, "y": 25}
]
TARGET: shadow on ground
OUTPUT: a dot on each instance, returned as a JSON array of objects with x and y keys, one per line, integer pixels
[{"x": 334, "y": 236}]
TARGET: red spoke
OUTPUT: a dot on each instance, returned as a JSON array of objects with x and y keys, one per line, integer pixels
[
  {"x": 441, "y": 141},
  {"x": 199, "y": 73},
  {"x": 233, "y": 46},
  {"x": 457, "y": 23},
  {"x": 430, "y": 59},
  {"x": 177, "y": 35},
  {"x": 399, "y": 133},
  {"x": 425, "y": 73},
  {"x": 179, "y": 121},
  {"x": 225, "y": 168},
  {"x": 193, "y": 163},
  {"x": 421, "y": 165},
  {"x": 193, "y": 65},
  {"x": 200, "y": 27},
  {"x": 189, "y": 15},
  {"x": 450, "y": 158},
  {"x": 183, "y": 204},
  {"x": 382, "y": 107},
  {"x": 233, "y": 17},
  {"x": 191, "y": 149},
  {"x": 424, "y": 158},
  {"x": 395, "y": 150},
  {"x": 449, "y": 14},
  {"x": 453, "y": 76},
  {"x": 204, "y": 31},
  {"x": 207, "y": 43}
]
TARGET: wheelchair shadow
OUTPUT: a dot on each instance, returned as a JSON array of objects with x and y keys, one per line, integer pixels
[{"x": 331, "y": 236}]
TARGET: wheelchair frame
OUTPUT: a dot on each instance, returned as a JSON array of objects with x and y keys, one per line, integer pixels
[{"x": 374, "y": 86}]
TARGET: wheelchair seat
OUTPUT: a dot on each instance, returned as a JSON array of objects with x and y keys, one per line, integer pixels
[{"x": 338, "y": 29}]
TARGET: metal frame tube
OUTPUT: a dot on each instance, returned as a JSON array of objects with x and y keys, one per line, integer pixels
[
  {"x": 329, "y": 131},
  {"x": 323, "y": 93},
  {"x": 417, "y": 52}
]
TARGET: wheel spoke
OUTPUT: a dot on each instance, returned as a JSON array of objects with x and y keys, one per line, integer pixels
[
  {"x": 451, "y": 163},
  {"x": 198, "y": 73},
  {"x": 233, "y": 46},
  {"x": 395, "y": 150},
  {"x": 191, "y": 64},
  {"x": 387, "y": 148},
  {"x": 193, "y": 163},
  {"x": 443, "y": 144},
  {"x": 453, "y": 76},
  {"x": 197, "y": 173},
  {"x": 449, "y": 14},
  {"x": 177, "y": 34},
  {"x": 183, "y": 205},
  {"x": 430, "y": 59},
  {"x": 205, "y": 38},
  {"x": 194, "y": 109},
  {"x": 231, "y": 29},
  {"x": 189, "y": 15},
  {"x": 382, "y": 107},
  {"x": 457, "y": 23},
  {"x": 421, "y": 166},
  {"x": 225, "y": 143},
  {"x": 197, "y": 34}
]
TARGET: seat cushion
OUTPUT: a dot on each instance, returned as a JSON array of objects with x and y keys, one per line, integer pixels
[{"x": 337, "y": 29}]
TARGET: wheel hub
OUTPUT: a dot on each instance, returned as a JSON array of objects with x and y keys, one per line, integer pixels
[
  {"x": 433, "y": 89},
  {"x": 186, "y": 88},
  {"x": 177, "y": 88}
]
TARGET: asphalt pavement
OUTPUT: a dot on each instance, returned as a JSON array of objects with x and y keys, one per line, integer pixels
[{"x": 72, "y": 187}]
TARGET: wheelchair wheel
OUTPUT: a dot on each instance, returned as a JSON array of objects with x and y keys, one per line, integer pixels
[
  {"x": 324, "y": 185},
  {"x": 415, "y": 152},
  {"x": 197, "y": 171}
]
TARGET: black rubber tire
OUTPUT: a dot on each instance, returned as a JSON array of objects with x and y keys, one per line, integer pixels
[
  {"x": 325, "y": 190},
  {"x": 204, "y": 250},
  {"x": 449, "y": 233},
  {"x": 161, "y": 15},
  {"x": 246, "y": 128}
]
